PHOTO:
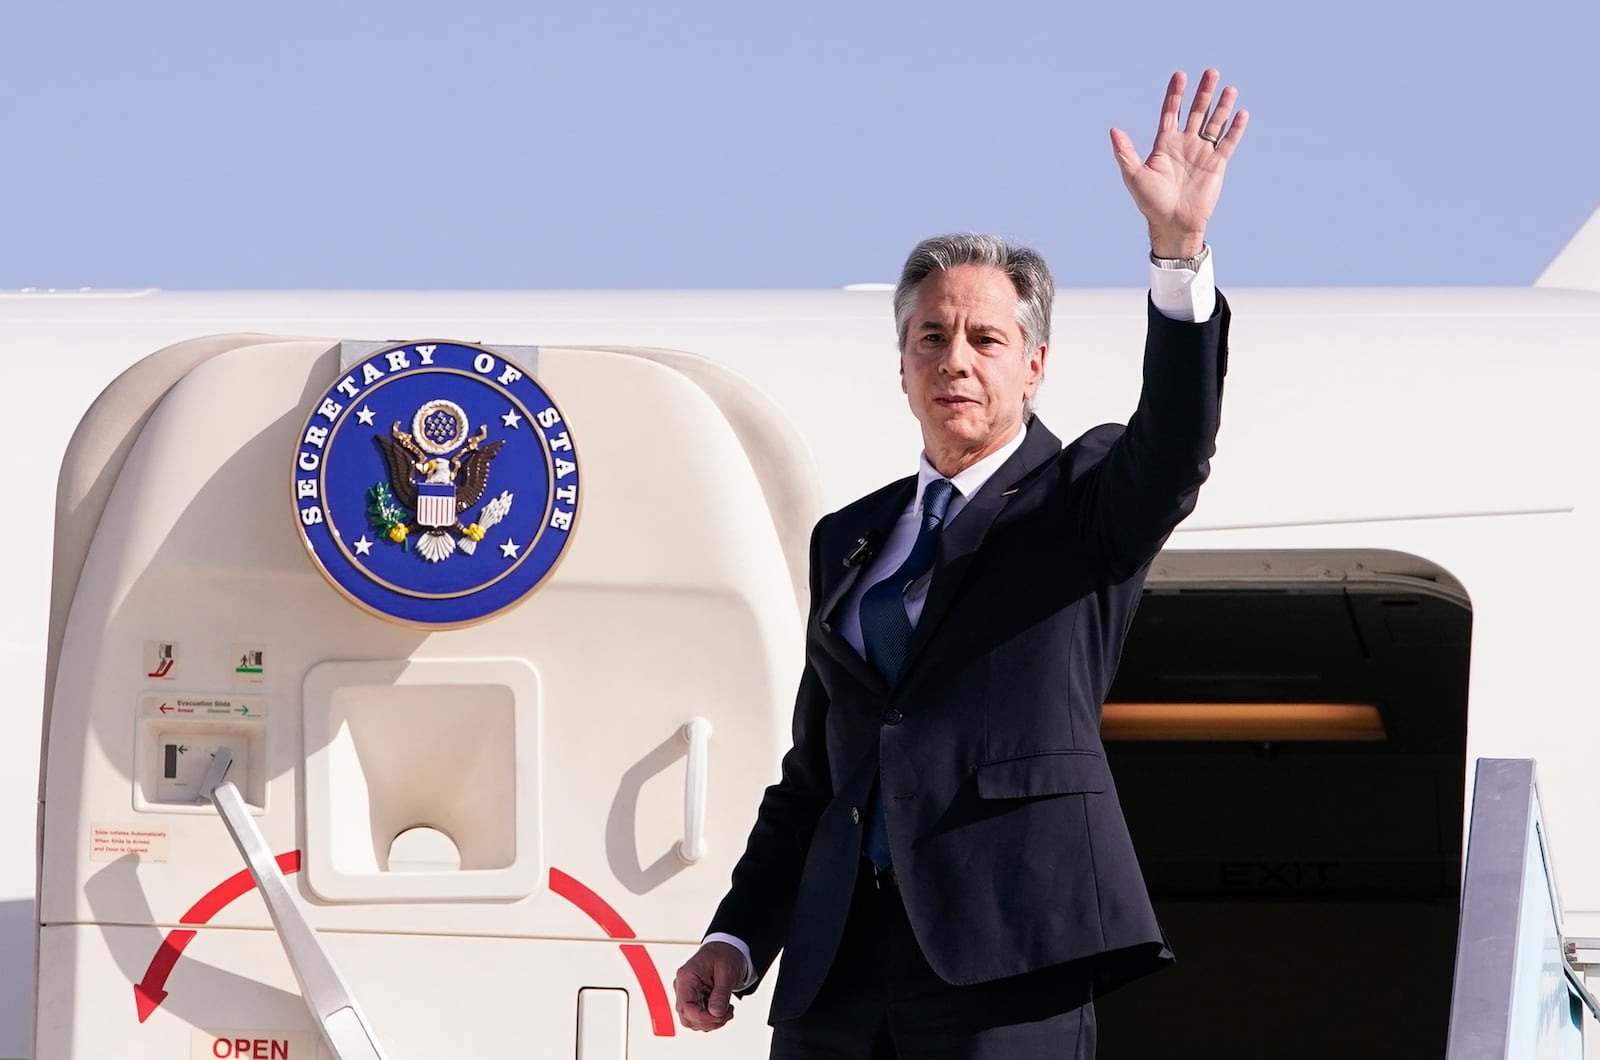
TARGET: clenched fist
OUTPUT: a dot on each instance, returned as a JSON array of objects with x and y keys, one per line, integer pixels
[{"x": 705, "y": 985}]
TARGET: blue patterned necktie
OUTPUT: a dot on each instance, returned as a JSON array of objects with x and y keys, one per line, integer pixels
[{"x": 886, "y": 628}]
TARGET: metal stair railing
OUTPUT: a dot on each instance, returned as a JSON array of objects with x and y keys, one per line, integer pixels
[{"x": 1517, "y": 993}]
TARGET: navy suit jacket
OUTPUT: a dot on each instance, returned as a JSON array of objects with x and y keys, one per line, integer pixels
[{"x": 1009, "y": 845}]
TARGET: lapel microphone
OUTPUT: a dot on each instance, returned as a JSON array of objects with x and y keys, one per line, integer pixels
[{"x": 863, "y": 551}]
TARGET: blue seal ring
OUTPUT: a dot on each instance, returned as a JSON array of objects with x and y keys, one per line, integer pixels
[{"x": 436, "y": 484}]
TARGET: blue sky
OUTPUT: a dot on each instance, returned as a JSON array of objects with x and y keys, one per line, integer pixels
[{"x": 396, "y": 144}]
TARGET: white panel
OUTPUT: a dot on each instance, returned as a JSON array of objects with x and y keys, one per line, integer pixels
[
  {"x": 602, "y": 1024},
  {"x": 518, "y": 1000},
  {"x": 196, "y": 548}
]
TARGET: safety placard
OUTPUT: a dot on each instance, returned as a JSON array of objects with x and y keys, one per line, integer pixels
[
  {"x": 253, "y": 1045},
  {"x": 249, "y": 665},
  {"x": 109, "y": 841},
  {"x": 199, "y": 706},
  {"x": 161, "y": 660}
]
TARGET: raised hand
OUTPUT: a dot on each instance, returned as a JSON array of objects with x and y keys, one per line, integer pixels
[{"x": 1176, "y": 188}]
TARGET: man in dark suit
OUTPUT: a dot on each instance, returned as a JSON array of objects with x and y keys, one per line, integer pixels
[{"x": 943, "y": 862}]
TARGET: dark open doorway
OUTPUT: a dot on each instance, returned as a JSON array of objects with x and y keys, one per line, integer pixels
[{"x": 1309, "y": 887}]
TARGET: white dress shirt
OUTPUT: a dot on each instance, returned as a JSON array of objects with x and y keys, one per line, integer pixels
[
  {"x": 1178, "y": 294},
  {"x": 903, "y": 536}
]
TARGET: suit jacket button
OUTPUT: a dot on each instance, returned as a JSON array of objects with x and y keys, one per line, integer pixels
[
  {"x": 827, "y": 627},
  {"x": 855, "y": 815},
  {"x": 892, "y": 716}
]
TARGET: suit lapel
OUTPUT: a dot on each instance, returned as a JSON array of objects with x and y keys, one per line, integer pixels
[
  {"x": 871, "y": 523},
  {"x": 959, "y": 543}
]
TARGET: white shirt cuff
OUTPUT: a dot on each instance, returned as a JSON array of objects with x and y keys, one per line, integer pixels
[
  {"x": 1185, "y": 294},
  {"x": 744, "y": 951}
]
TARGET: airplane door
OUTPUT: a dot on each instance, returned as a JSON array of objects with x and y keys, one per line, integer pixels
[{"x": 502, "y": 644}]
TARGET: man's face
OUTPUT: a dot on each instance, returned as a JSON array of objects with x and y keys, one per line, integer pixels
[{"x": 965, "y": 368}]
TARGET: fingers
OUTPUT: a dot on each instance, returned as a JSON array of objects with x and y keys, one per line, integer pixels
[
  {"x": 1208, "y": 123},
  {"x": 1127, "y": 157},
  {"x": 1172, "y": 103},
  {"x": 703, "y": 988},
  {"x": 717, "y": 1003},
  {"x": 1202, "y": 101},
  {"x": 1235, "y": 133},
  {"x": 1212, "y": 127},
  {"x": 692, "y": 993}
]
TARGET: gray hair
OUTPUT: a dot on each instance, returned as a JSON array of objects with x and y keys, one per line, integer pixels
[{"x": 1024, "y": 266}]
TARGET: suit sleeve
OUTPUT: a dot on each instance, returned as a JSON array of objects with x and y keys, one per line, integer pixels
[
  {"x": 760, "y": 900},
  {"x": 1151, "y": 473}
]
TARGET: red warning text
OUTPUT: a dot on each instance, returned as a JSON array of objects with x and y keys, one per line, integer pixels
[
  {"x": 253, "y": 1045},
  {"x": 251, "y": 1048}
]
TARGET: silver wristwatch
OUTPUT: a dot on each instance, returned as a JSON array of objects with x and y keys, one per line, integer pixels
[{"x": 1192, "y": 264}]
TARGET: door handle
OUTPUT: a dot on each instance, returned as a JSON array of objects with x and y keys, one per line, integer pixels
[{"x": 696, "y": 732}]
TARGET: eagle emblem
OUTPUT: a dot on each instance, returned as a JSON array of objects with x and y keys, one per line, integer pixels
[
  {"x": 436, "y": 474},
  {"x": 404, "y": 473}
]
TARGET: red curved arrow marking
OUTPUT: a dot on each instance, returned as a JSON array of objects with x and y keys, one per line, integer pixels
[
  {"x": 148, "y": 995},
  {"x": 238, "y": 885},
  {"x": 611, "y": 922},
  {"x": 150, "y": 992}
]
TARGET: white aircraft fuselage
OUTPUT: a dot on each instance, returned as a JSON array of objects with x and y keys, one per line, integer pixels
[{"x": 1402, "y": 510}]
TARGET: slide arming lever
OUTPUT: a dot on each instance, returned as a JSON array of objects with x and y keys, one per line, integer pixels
[{"x": 344, "y": 1028}]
